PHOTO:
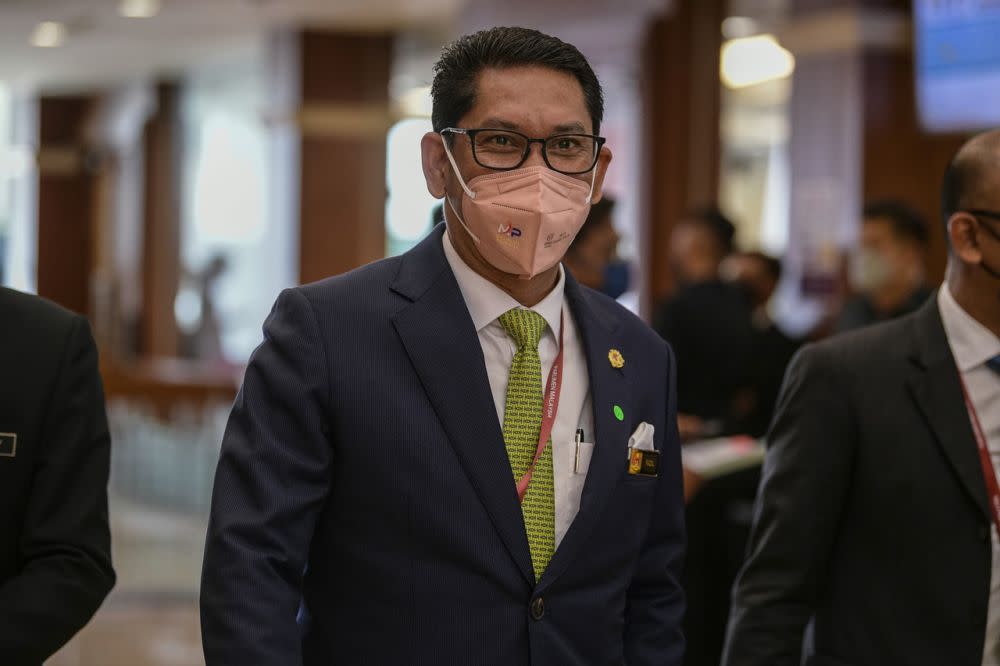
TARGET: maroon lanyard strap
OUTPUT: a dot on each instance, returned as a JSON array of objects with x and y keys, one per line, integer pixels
[
  {"x": 549, "y": 408},
  {"x": 989, "y": 474}
]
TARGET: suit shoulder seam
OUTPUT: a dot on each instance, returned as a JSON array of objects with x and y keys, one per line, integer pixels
[
  {"x": 322, "y": 341},
  {"x": 67, "y": 340}
]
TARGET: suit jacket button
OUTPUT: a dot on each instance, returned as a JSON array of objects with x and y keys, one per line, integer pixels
[
  {"x": 537, "y": 609},
  {"x": 984, "y": 532}
]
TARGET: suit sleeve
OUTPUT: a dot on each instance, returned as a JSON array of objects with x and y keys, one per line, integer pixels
[
  {"x": 271, "y": 481},
  {"x": 655, "y": 599},
  {"x": 804, "y": 483},
  {"x": 65, "y": 545}
]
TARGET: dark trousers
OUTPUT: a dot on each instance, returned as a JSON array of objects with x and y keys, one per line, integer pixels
[{"x": 718, "y": 525}]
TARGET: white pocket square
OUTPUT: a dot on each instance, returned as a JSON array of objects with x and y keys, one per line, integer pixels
[{"x": 642, "y": 438}]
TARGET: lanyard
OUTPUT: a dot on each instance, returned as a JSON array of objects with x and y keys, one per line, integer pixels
[
  {"x": 549, "y": 408},
  {"x": 989, "y": 474}
]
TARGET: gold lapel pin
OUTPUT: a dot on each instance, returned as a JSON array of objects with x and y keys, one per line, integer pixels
[{"x": 616, "y": 358}]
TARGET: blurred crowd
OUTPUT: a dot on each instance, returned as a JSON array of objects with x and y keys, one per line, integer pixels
[
  {"x": 732, "y": 356},
  {"x": 719, "y": 318}
]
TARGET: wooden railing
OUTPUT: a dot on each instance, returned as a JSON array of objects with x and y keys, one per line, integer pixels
[{"x": 165, "y": 385}]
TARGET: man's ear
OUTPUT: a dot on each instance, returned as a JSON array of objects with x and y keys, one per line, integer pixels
[
  {"x": 435, "y": 163},
  {"x": 603, "y": 160},
  {"x": 962, "y": 234}
]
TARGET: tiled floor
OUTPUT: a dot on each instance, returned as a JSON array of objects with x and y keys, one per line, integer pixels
[
  {"x": 151, "y": 617},
  {"x": 128, "y": 633}
]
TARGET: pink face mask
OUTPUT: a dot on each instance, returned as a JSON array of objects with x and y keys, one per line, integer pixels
[{"x": 523, "y": 220}]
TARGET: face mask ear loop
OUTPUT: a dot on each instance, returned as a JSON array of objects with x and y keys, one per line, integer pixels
[
  {"x": 470, "y": 193},
  {"x": 461, "y": 221},
  {"x": 590, "y": 197}
]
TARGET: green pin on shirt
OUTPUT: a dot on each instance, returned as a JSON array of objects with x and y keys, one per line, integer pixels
[{"x": 619, "y": 413}]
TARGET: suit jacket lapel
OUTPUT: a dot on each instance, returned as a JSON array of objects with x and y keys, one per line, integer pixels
[
  {"x": 936, "y": 388},
  {"x": 442, "y": 344},
  {"x": 609, "y": 386}
]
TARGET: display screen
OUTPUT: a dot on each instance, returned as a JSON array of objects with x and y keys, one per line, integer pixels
[{"x": 958, "y": 63}]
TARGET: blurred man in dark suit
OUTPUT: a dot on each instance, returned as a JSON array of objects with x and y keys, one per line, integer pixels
[
  {"x": 55, "y": 544},
  {"x": 886, "y": 271},
  {"x": 593, "y": 256},
  {"x": 395, "y": 485},
  {"x": 707, "y": 323},
  {"x": 878, "y": 510},
  {"x": 771, "y": 349}
]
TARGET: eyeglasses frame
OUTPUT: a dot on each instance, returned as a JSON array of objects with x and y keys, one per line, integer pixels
[{"x": 599, "y": 142}]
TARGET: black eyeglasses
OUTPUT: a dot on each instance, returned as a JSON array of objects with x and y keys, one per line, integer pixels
[{"x": 504, "y": 150}]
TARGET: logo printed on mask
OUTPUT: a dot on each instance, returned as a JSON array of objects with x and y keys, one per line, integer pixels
[{"x": 509, "y": 230}]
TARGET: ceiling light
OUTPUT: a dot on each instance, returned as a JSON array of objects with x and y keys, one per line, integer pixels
[
  {"x": 751, "y": 60},
  {"x": 139, "y": 8},
  {"x": 735, "y": 27},
  {"x": 48, "y": 34}
]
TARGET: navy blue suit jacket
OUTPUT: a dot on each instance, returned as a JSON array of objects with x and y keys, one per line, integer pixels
[{"x": 364, "y": 509}]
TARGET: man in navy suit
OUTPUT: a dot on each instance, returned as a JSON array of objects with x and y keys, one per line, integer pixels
[{"x": 460, "y": 455}]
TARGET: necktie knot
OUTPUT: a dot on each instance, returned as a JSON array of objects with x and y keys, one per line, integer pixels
[{"x": 524, "y": 326}]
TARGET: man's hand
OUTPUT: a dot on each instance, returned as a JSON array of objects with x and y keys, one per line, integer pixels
[
  {"x": 690, "y": 427},
  {"x": 692, "y": 482}
]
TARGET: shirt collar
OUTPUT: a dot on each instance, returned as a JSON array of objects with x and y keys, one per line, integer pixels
[
  {"x": 486, "y": 301},
  {"x": 972, "y": 344}
]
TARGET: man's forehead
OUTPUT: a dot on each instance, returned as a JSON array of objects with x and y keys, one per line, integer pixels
[
  {"x": 878, "y": 221},
  {"x": 878, "y": 227},
  {"x": 528, "y": 99},
  {"x": 497, "y": 121}
]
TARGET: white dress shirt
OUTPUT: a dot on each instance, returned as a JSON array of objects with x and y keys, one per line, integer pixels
[
  {"x": 972, "y": 344},
  {"x": 486, "y": 302}
]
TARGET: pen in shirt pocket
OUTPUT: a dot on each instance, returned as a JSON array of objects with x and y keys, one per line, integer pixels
[{"x": 576, "y": 458}]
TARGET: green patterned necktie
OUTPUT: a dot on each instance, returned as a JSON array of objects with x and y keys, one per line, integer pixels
[{"x": 522, "y": 423}]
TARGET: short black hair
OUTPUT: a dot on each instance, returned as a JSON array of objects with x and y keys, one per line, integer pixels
[
  {"x": 953, "y": 188},
  {"x": 906, "y": 222},
  {"x": 453, "y": 91},
  {"x": 717, "y": 224},
  {"x": 967, "y": 175},
  {"x": 599, "y": 213}
]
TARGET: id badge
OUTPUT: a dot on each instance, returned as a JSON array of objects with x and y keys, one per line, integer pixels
[{"x": 644, "y": 463}]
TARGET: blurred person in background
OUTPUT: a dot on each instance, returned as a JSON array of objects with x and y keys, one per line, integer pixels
[
  {"x": 759, "y": 275},
  {"x": 593, "y": 256},
  {"x": 719, "y": 508},
  {"x": 879, "y": 507},
  {"x": 886, "y": 271},
  {"x": 55, "y": 557},
  {"x": 390, "y": 488},
  {"x": 707, "y": 322},
  {"x": 203, "y": 341}
]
